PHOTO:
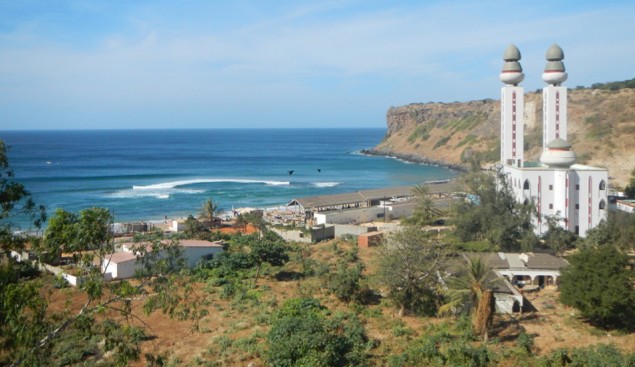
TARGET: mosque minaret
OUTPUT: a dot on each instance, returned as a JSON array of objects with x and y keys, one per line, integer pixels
[{"x": 557, "y": 186}]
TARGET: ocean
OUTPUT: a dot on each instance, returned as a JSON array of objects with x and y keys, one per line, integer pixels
[{"x": 151, "y": 174}]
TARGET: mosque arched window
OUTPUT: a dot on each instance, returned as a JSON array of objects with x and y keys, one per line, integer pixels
[
  {"x": 602, "y": 185},
  {"x": 526, "y": 185},
  {"x": 602, "y": 204}
]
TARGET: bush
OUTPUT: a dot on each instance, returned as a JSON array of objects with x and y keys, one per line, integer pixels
[
  {"x": 345, "y": 282},
  {"x": 302, "y": 334},
  {"x": 600, "y": 285}
]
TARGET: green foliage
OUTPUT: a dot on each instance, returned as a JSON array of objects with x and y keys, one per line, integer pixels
[
  {"x": 494, "y": 216},
  {"x": 15, "y": 201},
  {"x": 69, "y": 232},
  {"x": 525, "y": 342},
  {"x": 601, "y": 355},
  {"x": 442, "y": 348},
  {"x": 466, "y": 286},
  {"x": 615, "y": 85},
  {"x": 303, "y": 334},
  {"x": 193, "y": 228},
  {"x": 346, "y": 282},
  {"x": 467, "y": 140},
  {"x": 618, "y": 230},
  {"x": 408, "y": 265},
  {"x": 270, "y": 249},
  {"x": 599, "y": 283},
  {"x": 467, "y": 122},
  {"x": 208, "y": 211},
  {"x": 421, "y": 132},
  {"x": 557, "y": 238},
  {"x": 629, "y": 191},
  {"x": 425, "y": 212},
  {"x": 441, "y": 142}
]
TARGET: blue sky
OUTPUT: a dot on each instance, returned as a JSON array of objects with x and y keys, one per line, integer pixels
[{"x": 86, "y": 64}]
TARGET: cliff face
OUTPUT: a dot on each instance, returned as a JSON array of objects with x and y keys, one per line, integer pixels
[{"x": 601, "y": 129}]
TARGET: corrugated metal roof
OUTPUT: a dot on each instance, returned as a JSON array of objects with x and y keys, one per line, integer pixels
[
  {"x": 391, "y": 192},
  {"x": 368, "y": 195},
  {"x": 545, "y": 261},
  {"x": 328, "y": 200}
]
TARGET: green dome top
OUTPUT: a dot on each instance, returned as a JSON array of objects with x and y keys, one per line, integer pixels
[
  {"x": 511, "y": 53},
  {"x": 554, "y": 66},
  {"x": 512, "y": 66},
  {"x": 555, "y": 53}
]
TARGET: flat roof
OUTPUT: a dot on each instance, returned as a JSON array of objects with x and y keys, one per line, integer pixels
[
  {"x": 362, "y": 196},
  {"x": 120, "y": 257}
]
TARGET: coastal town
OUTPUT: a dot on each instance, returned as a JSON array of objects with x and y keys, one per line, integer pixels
[{"x": 520, "y": 263}]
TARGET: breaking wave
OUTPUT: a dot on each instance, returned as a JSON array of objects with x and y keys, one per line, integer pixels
[{"x": 174, "y": 184}]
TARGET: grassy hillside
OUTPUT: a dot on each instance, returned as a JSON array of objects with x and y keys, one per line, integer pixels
[{"x": 601, "y": 129}]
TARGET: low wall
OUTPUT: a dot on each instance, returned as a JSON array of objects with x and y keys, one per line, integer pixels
[{"x": 351, "y": 229}]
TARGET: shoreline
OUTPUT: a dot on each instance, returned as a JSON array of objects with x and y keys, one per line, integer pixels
[{"x": 413, "y": 158}]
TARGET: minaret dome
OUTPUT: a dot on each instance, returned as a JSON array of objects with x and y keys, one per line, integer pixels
[
  {"x": 512, "y": 72},
  {"x": 555, "y": 73},
  {"x": 558, "y": 154}
]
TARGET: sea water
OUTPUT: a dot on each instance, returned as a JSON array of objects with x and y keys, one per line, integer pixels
[{"x": 151, "y": 174}]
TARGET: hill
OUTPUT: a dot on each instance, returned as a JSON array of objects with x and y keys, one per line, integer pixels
[{"x": 601, "y": 129}]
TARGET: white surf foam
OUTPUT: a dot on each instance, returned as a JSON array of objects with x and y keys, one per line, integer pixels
[
  {"x": 174, "y": 184},
  {"x": 325, "y": 184}
]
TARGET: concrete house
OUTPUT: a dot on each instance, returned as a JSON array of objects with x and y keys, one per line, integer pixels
[
  {"x": 513, "y": 273},
  {"x": 124, "y": 264}
]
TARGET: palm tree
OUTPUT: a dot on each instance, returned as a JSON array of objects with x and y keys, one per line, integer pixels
[
  {"x": 425, "y": 212},
  {"x": 470, "y": 292},
  {"x": 208, "y": 211}
]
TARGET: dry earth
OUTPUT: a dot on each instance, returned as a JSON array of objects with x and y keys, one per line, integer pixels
[{"x": 233, "y": 334}]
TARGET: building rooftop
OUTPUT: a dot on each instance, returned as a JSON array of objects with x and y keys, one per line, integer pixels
[{"x": 363, "y": 196}]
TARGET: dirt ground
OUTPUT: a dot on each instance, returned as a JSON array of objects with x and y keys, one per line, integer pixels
[
  {"x": 233, "y": 333},
  {"x": 556, "y": 326}
]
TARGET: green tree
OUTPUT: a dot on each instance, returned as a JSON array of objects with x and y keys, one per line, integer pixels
[
  {"x": 15, "y": 202},
  {"x": 469, "y": 291},
  {"x": 32, "y": 334},
  {"x": 409, "y": 263},
  {"x": 557, "y": 238},
  {"x": 208, "y": 212},
  {"x": 617, "y": 230},
  {"x": 60, "y": 235},
  {"x": 270, "y": 249},
  {"x": 425, "y": 212},
  {"x": 629, "y": 191},
  {"x": 599, "y": 283},
  {"x": 303, "y": 334},
  {"x": 345, "y": 282},
  {"x": 193, "y": 228},
  {"x": 68, "y": 232},
  {"x": 491, "y": 213}
]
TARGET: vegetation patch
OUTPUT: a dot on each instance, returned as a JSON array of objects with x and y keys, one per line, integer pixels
[{"x": 441, "y": 142}]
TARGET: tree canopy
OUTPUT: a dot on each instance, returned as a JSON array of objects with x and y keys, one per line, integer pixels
[
  {"x": 599, "y": 283},
  {"x": 408, "y": 267},
  {"x": 491, "y": 213},
  {"x": 15, "y": 201}
]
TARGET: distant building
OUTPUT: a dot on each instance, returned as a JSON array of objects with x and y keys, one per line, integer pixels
[
  {"x": 626, "y": 205},
  {"x": 513, "y": 273},
  {"x": 124, "y": 264},
  {"x": 575, "y": 193}
]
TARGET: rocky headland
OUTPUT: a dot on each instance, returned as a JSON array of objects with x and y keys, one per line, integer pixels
[{"x": 601, "y": 130}]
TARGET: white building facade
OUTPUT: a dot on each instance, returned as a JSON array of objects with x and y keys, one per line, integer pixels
[{"x": 574, "y": 193}]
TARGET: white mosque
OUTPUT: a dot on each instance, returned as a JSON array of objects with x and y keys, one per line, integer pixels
[{"x": 575, "y": 193}]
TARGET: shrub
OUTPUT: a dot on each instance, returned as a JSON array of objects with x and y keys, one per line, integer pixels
[
  {"x": 302, "y": 334},
  {"x": 600, "y": 285}
]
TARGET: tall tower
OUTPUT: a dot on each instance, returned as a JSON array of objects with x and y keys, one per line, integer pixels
[
  {"x": 554, "y": 97},
  {"x": 512, "y": 109}
]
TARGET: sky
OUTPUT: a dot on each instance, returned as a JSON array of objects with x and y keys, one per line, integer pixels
[{"x": 83, "y": 64}]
